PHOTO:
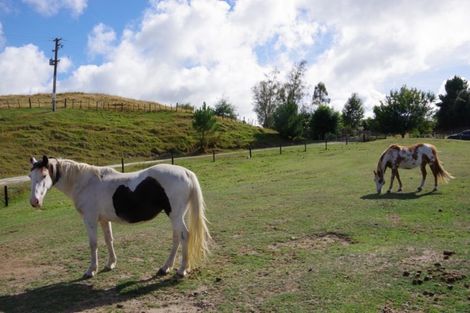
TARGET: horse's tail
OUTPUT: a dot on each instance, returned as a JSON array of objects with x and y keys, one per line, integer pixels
[
  {"x": 442, "y": 175},
  {"x": 199, "y": 237}
]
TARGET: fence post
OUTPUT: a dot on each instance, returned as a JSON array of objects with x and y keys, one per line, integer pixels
[
  {"x": 213, "y": 155},
  {"x": 6, "y": 194},
  {"x": 249, "y": 148},
  {"x": 65, "y": 103},
  {"x": 326, "y": 143},
  {"x": 172, "y": 158},
  {"x": 305, "y": 146},
  {"x": 29, "y": 99},
  {"x": 280, "y": 148},
  {"x": 122, "y": 165}
]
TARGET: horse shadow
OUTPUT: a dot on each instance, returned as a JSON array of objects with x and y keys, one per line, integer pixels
[
  {"x": 79, "y": 295},
  {"x": 398, "y": 195}
]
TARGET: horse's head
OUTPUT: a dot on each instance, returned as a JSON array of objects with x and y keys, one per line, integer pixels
[
  {"x": 379, "y": 180},
  {"x": 41, "y": 180}
]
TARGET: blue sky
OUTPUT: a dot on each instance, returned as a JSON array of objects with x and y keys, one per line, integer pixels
[
  {"x": 22, "y": 24},
  {"x": 201, "y": 50}
]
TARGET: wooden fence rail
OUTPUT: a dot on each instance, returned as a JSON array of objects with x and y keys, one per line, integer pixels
[{"x": 88, "y": 104}]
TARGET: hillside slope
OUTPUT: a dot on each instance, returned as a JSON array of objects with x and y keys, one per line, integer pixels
[{"x": 103, "y": 136}]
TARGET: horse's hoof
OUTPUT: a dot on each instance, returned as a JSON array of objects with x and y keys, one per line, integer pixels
[
  {"x": 419, "y": 189},
  {"x": 88, "y": 275},
  {"x": 400, "y": 190},
  {"x": 434, "y": 190},
  {"x": 389, "y": 191},
  {"x": 181, "y": 274},
  {"x": 162, "y": 272}
]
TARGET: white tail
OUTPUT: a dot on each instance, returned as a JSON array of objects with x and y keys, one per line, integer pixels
[
  {"x": 199, "y": 237},
  {"x": 442, "y": 174}
]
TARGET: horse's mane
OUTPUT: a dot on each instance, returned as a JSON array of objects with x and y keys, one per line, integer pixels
[
  {"x": 379, "y": 163},
  {"x": 70, "y": 169}
]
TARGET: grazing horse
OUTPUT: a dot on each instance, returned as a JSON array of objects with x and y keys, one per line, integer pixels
[
  {"x": 102, "y": 195},
  {"x": 410, "y": 157}
]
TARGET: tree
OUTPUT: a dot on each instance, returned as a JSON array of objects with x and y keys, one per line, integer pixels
[
  {"x": 265, "y": 98},
  {"x": 225, "y": 109},
  {"x": 320, "y": 95},
  {"x": 288, "y": 121},
  {"x": 294, "y": 88},
  {"x": 403, "y": 110},
  {"x": 324, "y": 121},
  {"x": 353, "y": 112},
  {"x": 204, "y": 122},
  {"x": 454, "y": 106}
]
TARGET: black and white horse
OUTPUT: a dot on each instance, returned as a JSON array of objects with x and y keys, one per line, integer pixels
[{"x": 102, "y": 195}]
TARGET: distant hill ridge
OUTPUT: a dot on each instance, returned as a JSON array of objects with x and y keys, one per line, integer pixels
[{"x": 81, "y": 100}]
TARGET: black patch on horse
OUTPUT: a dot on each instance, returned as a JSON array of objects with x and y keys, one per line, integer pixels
[{"x": 144, "y": 203}]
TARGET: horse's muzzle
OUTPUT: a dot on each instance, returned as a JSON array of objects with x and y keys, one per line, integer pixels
[{"x": 35, "y": 203}]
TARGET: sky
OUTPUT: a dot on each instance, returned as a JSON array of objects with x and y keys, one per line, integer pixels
[{"x": 203, "y": 50}]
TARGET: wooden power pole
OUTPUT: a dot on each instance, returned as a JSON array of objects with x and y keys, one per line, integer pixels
[{"x": 55, "y": 62}]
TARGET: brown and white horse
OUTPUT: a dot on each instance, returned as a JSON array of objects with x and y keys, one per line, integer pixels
[
  {"x": 102, "y": 195},
  {"x": 397, "y": 156}
]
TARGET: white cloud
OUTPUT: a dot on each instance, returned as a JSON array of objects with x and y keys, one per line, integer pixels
[
  {"x": 52, "y": 7},
  {"x": 31, "y": 75},
  {"x": 202, "y": 49},
  {"x": 101, "y": 40},
  {"x": 197, "y": 51},
  {"x": 381, "y": 45}
]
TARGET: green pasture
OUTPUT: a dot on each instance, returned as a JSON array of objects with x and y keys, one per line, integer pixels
[{"x": 292, "y": 232}]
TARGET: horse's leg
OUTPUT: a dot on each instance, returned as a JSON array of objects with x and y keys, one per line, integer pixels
[
  {"x": 183, "y": 233},
  {"x": 166, "y": 268},
  {"x": 108, "y": 238},
  {"x": 434, "y": 172},
  {"x": 399, "y": 181},
  {"x": 92, "y": 228},
  {"x": 394, "y": 170},
  {"x": 424, "y": 173}
]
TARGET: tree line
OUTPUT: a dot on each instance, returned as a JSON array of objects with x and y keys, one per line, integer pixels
[
  {"x": 283, "y": 106},
  {"x": 286, "y": 107}
]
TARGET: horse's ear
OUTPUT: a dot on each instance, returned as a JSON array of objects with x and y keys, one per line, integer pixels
[
  {"x": 45, "y": 160},
  {"x": 32, "y": 160}
]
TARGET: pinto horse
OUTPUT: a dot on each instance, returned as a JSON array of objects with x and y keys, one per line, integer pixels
[
  {"x": 410, "y": 157},
  {"x": 102, "y": 195}
]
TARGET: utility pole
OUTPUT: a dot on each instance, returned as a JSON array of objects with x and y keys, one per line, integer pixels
[{"x": 54, "y": 62}]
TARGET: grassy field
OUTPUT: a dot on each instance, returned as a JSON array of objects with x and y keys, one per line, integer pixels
[
  {"x": 297, "y": 232},
  {"x": 103, "y": 137}
]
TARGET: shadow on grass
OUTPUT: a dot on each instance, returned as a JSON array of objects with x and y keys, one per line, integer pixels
[
  {"x": 397, "y": 195},
  {"x": 79, "y": 295}
]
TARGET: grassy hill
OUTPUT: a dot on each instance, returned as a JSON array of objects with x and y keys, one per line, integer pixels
[{"x": 101, "y": 136}]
